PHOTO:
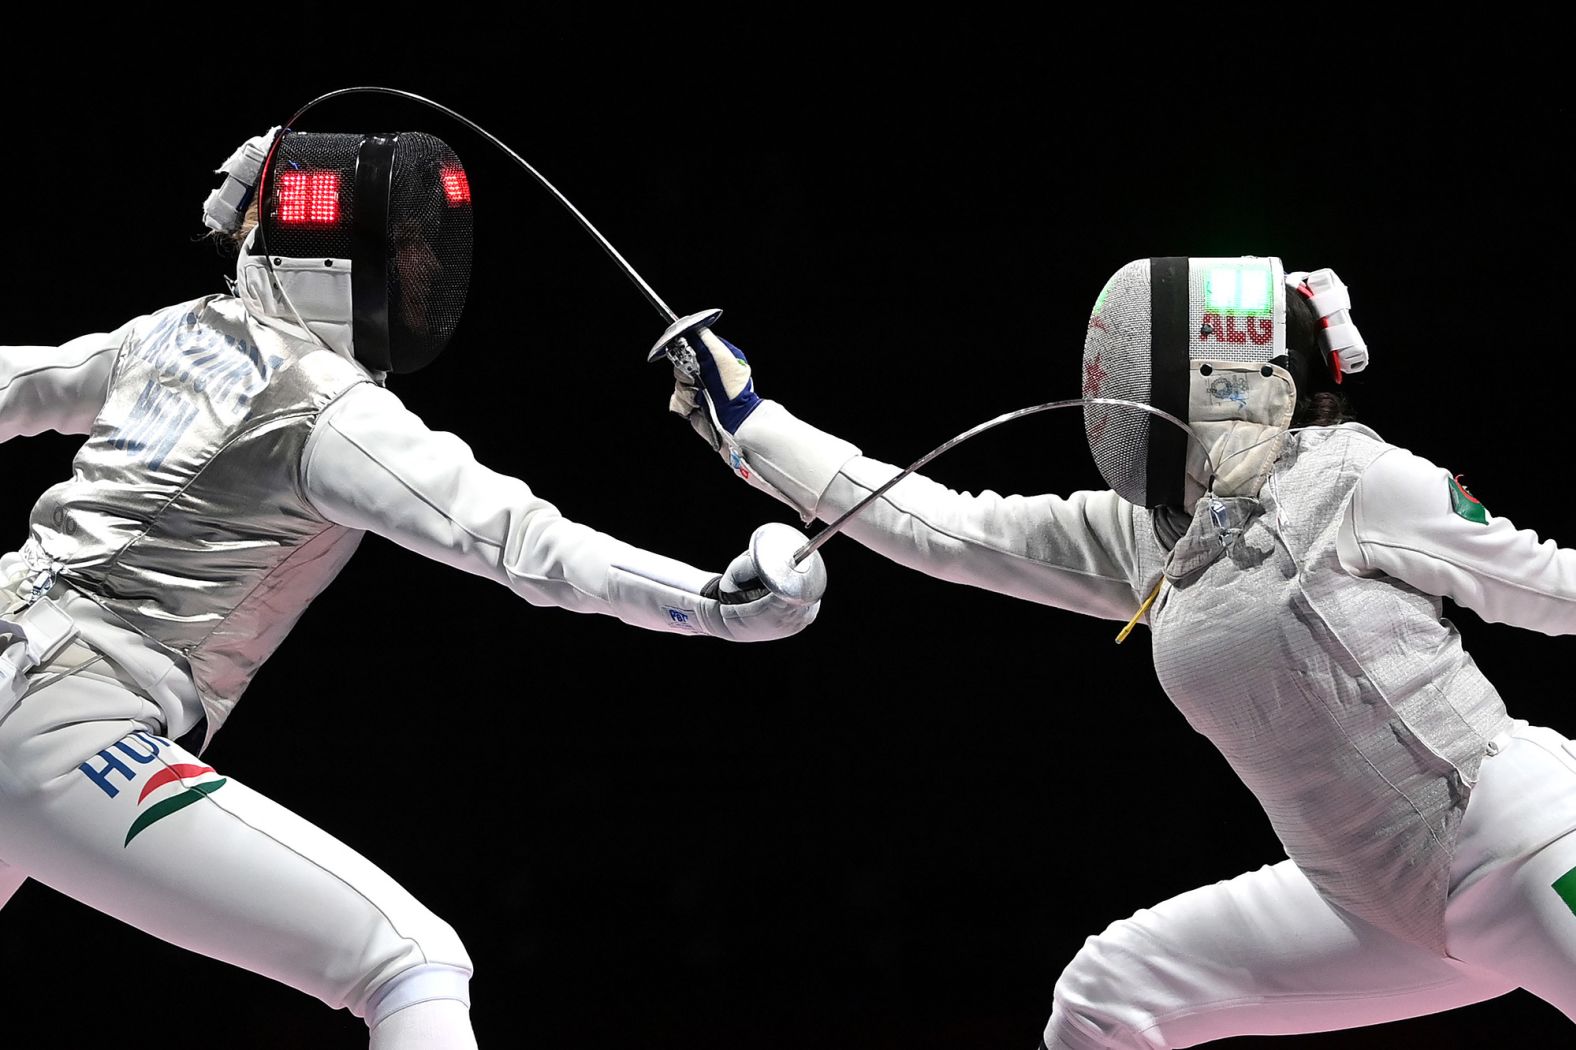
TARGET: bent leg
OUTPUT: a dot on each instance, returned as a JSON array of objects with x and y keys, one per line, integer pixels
[
  {"x": 1513, "y": 910},
  {"x": 1261, "y": 954},
  {"x": 138, "y": 828}
]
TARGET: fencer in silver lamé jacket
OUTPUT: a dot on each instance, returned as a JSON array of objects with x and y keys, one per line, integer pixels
[
  {"x": 232, "y": 465},
  {"x": 185, "y": 517},
  {"x": 1300, "y": 631}
]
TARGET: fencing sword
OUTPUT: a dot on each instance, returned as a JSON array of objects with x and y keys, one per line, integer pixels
[
  {"x": 798, "y": 583},
  {"x": 1006, "y": 417},
  {"x": 679, "y": 328},
  {"x": 782, "y": 568}
]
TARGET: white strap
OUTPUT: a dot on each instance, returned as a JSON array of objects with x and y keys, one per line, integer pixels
[
  {"x": 1343, "y": 336},
  {"x": 1329, "y": 292},
  {"x": 47, "y": 628},
  {"x": 1332, "y": 302},
  {"x": 225, "y": 207}
]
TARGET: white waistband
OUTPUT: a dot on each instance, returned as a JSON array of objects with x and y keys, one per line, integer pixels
[{"x": 1521, "y": 729}]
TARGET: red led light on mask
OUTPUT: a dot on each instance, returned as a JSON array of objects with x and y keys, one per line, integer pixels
[
  {"x": 456, "y": 186},
  {"x": 309, "y": 196}
]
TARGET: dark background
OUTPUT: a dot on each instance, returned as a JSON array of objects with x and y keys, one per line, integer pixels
[{"x": 897, "y": 828}]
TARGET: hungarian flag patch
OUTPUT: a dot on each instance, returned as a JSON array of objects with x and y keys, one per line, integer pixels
[{"x": 1466, "y": 504}]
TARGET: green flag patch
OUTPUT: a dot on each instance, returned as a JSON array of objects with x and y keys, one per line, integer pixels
[
  {"x": 1565, "y": 886},
  {"x": 1465, "y": 504}
]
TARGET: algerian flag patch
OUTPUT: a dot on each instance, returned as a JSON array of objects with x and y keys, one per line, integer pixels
[
  {"x": 1565, "y": 886},
  {"x": 1466, "y": 504}
]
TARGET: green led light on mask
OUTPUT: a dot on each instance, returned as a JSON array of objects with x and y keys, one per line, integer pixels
[
  {"x": 1239, "y": 291},
  {"x": 1099, "y": 303}
]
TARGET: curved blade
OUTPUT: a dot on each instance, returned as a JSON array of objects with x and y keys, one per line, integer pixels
[{"x": 835, "y": 527}]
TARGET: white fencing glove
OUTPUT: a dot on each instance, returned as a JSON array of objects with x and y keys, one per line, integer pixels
[{"x": 762, "y": 595}]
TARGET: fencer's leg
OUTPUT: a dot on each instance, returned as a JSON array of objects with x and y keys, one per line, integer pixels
[
  {"x": 1513, "y": 909},
  {"x": 423, "y": 1008},
  {"x": 11, "y": 880},
  {"x": 1535, "y": 938},
  {"x": 132, "y": 825},
  {"x": 1261, "y": 954},
  {"x": 430, "y": 1025}
]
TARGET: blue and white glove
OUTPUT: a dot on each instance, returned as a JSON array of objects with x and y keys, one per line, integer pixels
[{"x": 713, "y": 389}]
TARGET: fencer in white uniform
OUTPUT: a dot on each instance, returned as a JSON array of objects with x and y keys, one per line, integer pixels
[
  {"x": 1291, "y": 577},
  {"x": 238, "y": 447}
]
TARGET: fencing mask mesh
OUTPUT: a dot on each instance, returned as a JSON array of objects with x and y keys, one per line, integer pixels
[
  {"x": 1194, "y": 338},
  {"x": 397, "y": 209}
]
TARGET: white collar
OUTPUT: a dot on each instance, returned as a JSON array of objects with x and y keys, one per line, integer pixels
[{"x": 303, "y": 299}]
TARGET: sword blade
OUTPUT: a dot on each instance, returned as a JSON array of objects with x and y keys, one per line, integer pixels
[
  {"x": 607, "y": 246},
  {"x": 837, "y": 526}
]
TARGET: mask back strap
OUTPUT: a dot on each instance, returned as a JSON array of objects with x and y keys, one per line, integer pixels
[
  {"x": 1166, "y": 468},
  {"x": 369, "y": 277}
]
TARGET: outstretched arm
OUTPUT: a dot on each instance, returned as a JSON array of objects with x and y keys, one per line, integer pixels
[
  {"x": 1079, "y": 553},
  {"x": 1411, "y": 520},
  {"x": 373, "y": 465},
  {"x": 57, "y": 388}
]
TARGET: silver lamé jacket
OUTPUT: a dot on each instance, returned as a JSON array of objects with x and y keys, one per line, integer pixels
[{"x": 230, "y": 468}]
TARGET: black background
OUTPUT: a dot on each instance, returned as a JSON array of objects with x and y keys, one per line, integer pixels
[{"x": 895, "y": 829}]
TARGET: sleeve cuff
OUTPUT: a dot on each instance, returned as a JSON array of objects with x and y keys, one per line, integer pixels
[{"x": 794, "y": 457}]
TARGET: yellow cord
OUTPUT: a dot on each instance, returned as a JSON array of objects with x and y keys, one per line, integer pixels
[{"x": 1139, "y": 615}]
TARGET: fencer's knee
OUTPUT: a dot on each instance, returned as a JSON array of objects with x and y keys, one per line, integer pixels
[
  {"x": 419, "y": 984},
  {"x": 1097, "y": 1003},
  {"x": 423, "y": 959}
]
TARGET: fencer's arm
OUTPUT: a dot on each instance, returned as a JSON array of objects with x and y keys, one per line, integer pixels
[
  {"x": 58, "y": 388},
  {"x": 1400, "y": 522},
  {"x": 1076, "y": 553},
  {"x": 373, "y": 465}
]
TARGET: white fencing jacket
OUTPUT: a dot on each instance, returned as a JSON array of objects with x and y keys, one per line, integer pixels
[{"x": 1310, "y": 648}]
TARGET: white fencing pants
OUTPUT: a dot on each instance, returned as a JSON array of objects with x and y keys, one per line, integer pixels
[
  {"x": 97, "y": 805},
  {"x": 1265, "y": 954}
]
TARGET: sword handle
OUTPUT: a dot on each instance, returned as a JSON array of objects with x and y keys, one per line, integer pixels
[{"x": 675, "y": 341}]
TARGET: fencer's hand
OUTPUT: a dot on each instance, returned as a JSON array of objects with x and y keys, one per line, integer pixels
[
  {"x": 762, "y": 595},
  {"x": 739, "y": 584},
  {"x": 712, "y": 387}
]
